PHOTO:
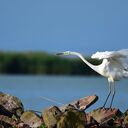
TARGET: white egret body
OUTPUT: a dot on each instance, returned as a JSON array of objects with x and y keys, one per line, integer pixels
[{"x": 114, "y": 66}]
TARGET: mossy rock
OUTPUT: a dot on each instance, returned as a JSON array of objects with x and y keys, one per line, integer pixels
[
  {"x": 30, "y": 118},
  {"x": 125, "y": 119},
  {"x": 72, "y": 118},
  {"x": 51, "y": 116}
]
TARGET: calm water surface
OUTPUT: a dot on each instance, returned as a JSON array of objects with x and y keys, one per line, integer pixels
[{"x": 64, "y": 89}]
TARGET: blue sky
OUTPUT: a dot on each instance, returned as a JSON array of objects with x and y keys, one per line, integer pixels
[{"x": 84, "y": 26}]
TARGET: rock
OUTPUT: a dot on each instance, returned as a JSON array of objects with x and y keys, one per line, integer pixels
[
  {"x": 125, "y": 122},
  {"x": 22, "y": 125},
  {"x": 118, "y": 123},
  {"x": 7, "y": 122},
  {"x": 50, "y": 116},
  {"x": 105, "y": 116},
  {"x": 30, "y": 118},
  {"x": 1, "y": 126},
  {"x": 83, "y": 103},
  {"x": 71, "y": 118},
  {"x": 86, "y": 102},
  {"x": 10, "y": 105},
  {"x": 125, "y": 119},
  {"x": 91, "y": 122}
]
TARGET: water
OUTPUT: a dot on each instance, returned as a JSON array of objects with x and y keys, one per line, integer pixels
[{"x": 64, "y": 89}]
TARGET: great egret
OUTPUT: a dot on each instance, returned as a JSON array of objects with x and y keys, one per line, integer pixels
[{"x": 114, "y": 67}]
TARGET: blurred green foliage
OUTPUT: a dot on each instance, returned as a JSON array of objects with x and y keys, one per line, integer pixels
[{"x": 43, "y": 63}]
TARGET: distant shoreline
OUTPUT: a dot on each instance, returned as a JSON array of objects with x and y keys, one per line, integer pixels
[{"x": 42, "y": 63}]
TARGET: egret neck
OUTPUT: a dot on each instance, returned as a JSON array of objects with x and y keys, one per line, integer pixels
[{"x": 94, "y": 67}]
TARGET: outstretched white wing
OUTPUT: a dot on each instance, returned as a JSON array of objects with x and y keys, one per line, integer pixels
[
  {"x": 123, "y": 52},
  {"x": 111, "y": 54},
  {"x": 124, "y": 61},
  {"x": 120, "y": 57}
]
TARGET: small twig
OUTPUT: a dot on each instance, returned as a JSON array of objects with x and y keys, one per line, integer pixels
[{"x": 51, "y": 100}]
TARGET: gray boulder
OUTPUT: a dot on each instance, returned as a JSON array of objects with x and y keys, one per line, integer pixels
[{"x": 10, "y": 105}]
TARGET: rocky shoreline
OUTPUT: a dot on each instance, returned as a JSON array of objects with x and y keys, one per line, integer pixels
[{"x": 73, "y": 115}]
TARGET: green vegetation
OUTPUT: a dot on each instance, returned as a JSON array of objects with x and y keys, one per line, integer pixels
[
  {"x": 42, "y": 63},
  {"x": 43, "y": 126}
]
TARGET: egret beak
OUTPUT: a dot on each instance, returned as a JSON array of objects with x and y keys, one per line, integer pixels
[
  {"x": 60, "y": 53},
  {"x": 64, "y": 53}
]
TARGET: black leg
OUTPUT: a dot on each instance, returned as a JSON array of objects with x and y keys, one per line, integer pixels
[
  {"x": 113, "y": 94},
  {"x": 107, "y": 95}
]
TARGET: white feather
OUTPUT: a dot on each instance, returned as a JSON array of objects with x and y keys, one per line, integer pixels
[{"x": 110, "y": 54}]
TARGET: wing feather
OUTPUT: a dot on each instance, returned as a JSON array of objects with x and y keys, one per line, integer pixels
[
  {"x": 118, "y": 57},
  {"x": 123, "y": 52},
  {"x": 111, "y": 54}
]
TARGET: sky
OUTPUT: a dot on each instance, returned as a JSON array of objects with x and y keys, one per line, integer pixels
[{"x": 85, "y": 26}]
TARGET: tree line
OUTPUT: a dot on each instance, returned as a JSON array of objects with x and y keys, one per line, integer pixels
[{"x": 43, "y": 63}]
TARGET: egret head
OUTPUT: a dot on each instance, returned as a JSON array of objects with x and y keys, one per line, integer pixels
[{"x": 64, "y": 53}]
